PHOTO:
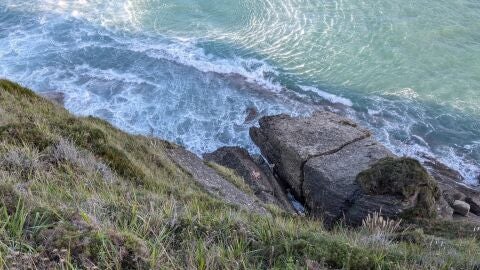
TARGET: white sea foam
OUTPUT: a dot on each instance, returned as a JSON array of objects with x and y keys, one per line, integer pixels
[
  {"x": 417, "y": 146},
  {"x": 407, "y": 92},
  {"x": 193, "y": 124},
  {"x": 330, "y": 97},
  {"x": 186, "y": 52}
]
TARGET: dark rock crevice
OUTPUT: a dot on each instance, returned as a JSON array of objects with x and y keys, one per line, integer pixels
[
  {"x": 331, "y": 152},
  {"x": 260, "y": 180}
]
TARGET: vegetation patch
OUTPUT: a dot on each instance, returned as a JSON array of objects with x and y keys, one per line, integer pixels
[
  {"x": 25, "y": 134},
  {"x": 450, "y": 229},
  {"x": 404, "y": 177},
  {"x": 230, "y": 175},
  {"x": 57, "y": 211},
  {"x": 96, "y": 141},
  {"x": 17, "y": 90}
]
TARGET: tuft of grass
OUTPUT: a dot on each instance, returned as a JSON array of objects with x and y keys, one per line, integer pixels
[
  {"x": 96, "y": 140},
  {"x": 376, "y": 223},
  {"x": 13, "y": 224},
  {"x": 17, "y": 90},
  {"x": 231, "y": 176},
  {"x": 25, "y": 134}
]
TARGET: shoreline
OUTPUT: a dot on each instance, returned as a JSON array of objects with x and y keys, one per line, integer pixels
[{"x": 253, "y": 115}]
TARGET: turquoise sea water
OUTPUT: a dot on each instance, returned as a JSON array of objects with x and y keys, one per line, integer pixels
[{"x": 189, "y": 71}]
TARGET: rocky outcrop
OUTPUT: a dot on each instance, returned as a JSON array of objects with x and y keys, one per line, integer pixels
[
  {"x": 262, "y": 182},
  {"x": 212, "y": 182},
  {"x": 56, "y": 97},
  {"x": 289, "y": 142},
  {"x": 341, "y": 172},
  {"x": 329, "y": 186},
  {"x": 451, "y": 184}
]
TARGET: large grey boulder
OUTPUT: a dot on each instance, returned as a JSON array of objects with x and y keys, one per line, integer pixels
[
  {"x": 289, "y": 142},
  {"x": 329, "y": 185},
  {"x": 462, "y": 208},
  {"x": 321, "y": 158},
  {"x": 262, "y": 182}
]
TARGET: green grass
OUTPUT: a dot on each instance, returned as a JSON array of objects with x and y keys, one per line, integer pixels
[
  {"x": 77, "y": 193},
  {"x": 230, "y": 175}
]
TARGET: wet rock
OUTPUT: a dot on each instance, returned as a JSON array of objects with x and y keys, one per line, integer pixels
[
  {"x": 462, "y": 208},
  {"x": 209, "y": 179},
  {"x": 453, "y": 189},
  {"x": 55, "y": 97},
  {"x": 252, "y": 114},
  {"x": 263, "y": 183},
  {"x": 438, "y": 169}
]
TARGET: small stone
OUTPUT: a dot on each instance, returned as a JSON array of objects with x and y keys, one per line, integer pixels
[
  {"x": 461, "y": 207},
  {"x": 252, "y": 113}
]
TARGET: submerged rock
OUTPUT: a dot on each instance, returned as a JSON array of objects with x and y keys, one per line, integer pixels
[
  {"x": 262, "y": 182},
  {"x": 55, "y": 97},
  {"x": 252, "y": 113}
]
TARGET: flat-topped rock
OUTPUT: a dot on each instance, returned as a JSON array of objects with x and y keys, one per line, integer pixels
[
  {"x": 340, "y": 171},
  {"x": 55, "y": 97},
  {"x": 288, "y": 142}
]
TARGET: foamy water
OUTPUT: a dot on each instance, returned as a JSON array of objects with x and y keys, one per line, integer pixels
[{"x": 192, "y": 71}]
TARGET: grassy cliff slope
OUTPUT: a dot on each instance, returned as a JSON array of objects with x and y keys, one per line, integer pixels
[{"x": 77, "y": 193}]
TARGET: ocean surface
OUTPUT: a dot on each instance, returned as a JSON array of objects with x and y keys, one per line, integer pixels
[{"x": 201, "y": 72}]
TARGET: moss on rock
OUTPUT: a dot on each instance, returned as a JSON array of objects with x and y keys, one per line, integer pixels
[{"x": 404, "y": 177}]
